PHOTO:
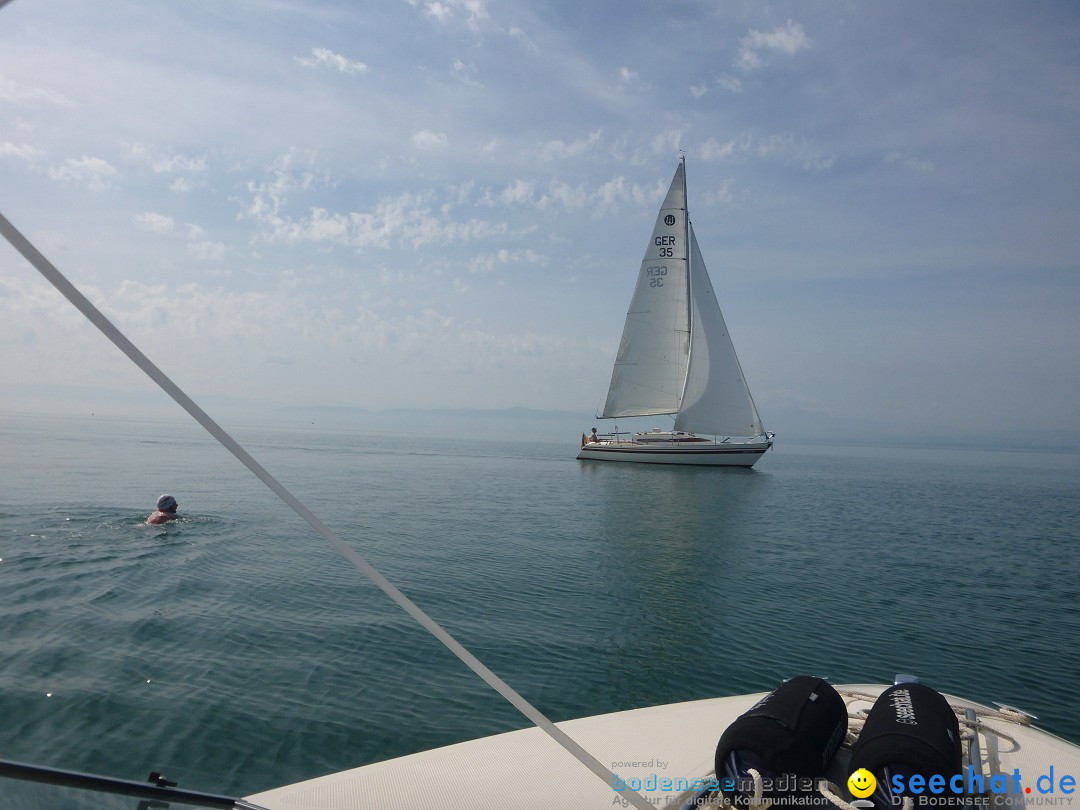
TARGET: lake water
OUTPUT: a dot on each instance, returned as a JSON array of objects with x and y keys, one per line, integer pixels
[{"x": 236, "y": 651}]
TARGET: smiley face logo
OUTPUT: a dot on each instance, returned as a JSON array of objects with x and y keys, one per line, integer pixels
[{"x": 861, "y": 783}]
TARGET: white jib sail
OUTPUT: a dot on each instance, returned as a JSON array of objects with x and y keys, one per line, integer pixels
[
  {"x": 650, "y": 368},
  {"x": 717, "y": 400}
]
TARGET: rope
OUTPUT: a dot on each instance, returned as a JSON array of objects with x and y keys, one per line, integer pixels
[
  {"x": 94, "y": 315},
  {"x": 757, "y": 802},
  {"x": 832, "y": 793},
  {"x": 970, "y": 729}
]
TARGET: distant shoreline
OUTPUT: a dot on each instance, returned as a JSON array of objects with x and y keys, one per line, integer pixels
[{"x": 536, "y": 425}]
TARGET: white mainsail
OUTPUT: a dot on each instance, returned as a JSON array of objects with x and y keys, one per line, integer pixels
[
  {"x": 676, "y": 356},
  {"x": 650, "y": 368},
  {"x": 716, "y": 398}
]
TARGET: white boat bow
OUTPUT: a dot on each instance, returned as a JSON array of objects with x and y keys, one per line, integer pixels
[{"x": 665, "y": 752}]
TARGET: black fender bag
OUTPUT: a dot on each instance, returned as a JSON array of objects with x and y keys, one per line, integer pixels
[{"x": 793, "y": 731}]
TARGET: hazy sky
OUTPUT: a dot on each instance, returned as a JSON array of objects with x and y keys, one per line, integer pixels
[{"x": 411, "y": 203}]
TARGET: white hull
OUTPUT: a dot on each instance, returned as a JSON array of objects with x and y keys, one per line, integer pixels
[
  {"x": 526, "y": 769},
  {"x": 702, "y": 453}
]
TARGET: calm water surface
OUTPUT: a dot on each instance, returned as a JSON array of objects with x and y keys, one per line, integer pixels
[{"x": 235, "y": 651}]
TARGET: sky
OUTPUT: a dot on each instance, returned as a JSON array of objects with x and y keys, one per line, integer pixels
[{"x": 443, "y": 204}]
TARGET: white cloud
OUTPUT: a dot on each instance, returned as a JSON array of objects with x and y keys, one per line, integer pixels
[
  {"x": 527, "y": 256},
  {"x": 182, "y": 185},
  {"x": 791, "y": 149},
  {"x": 627, "y": 75},
  {"x": 714, "y": 150},
  {"x": 324, "y": 57},
  {"x": 721, "y": 196},
  {"x": 407, "y": 219},
  {"x": 258, "y": 339},
  {"x": 20, "y": 151},
  {"x": 32, "y": 300},
  {"x": 476, "y": 10},
  {"x": 207, "y": 251},
  {"x": 198, "y": 245},
  {"x": 516, "y": 193},
  {"x": 522, "y": 39},
  {"x": 561, "y": 150},
  {"x": 439, "y": 11},
  {"x": 161, "y": 162},
  {"x": 11, "y": 92},
  {"x": 912, "y": 162},
  {"x": 444, "y": 11},
  {"x": 613, "y": 191},
  {"x": 788, "y": 39},
  {"x": 154, "y": 223},
  {"x": 425, "y": 139},
  {"x": 465, "y": 73},
  {"x": 482, "y": 264},
  {"x": 488, "y": 262},
  {"x": 190, "y": 170},
  {"x": 290, "y": 173},
  {"x": 667, "y": 142},
  {"x": 459, "y": 194},
  {"x": 606, "y": 196},
  {"x": 729, "y": 83},
  {"x": 90, "y": 172},
  {"x": 565, "y": 195}
]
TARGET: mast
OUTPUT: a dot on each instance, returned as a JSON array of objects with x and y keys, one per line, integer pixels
[{"x": 689, "y": 288}]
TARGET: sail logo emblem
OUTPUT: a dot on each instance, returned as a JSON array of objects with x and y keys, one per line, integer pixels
[{"x": 669, "y": 220}]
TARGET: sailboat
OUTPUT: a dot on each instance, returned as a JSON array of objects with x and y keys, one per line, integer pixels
[{"x": 676, "y": 357}]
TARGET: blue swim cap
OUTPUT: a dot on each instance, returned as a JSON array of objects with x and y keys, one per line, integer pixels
[{"x": 165, "y": 503}]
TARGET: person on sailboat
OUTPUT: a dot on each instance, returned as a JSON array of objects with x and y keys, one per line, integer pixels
[
  {"x": 593, "y": 438},
  {"x": 166, "y": 510}
]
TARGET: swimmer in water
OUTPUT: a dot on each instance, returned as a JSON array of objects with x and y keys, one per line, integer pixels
[{"x": 166, "y": 510}]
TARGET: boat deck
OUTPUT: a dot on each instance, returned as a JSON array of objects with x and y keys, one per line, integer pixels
[{"x": 664, "y": 749}]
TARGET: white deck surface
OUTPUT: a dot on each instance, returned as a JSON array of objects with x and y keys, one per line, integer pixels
[{"x": 526, "y": 769}]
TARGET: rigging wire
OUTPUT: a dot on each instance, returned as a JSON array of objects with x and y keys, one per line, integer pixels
[{"x": 95, "y": 316}]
